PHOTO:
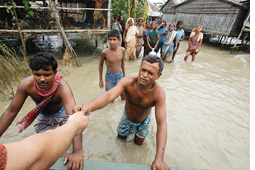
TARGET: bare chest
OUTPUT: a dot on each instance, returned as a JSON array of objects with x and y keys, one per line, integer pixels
[{"x": 142, "y": 100}]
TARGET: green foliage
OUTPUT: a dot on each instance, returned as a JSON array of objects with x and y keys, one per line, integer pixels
[
  {"x": 9, "y": 9},
  {"x": 120, "y": 7}
]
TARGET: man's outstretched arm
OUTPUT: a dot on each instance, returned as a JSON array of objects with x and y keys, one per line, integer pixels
[
  {"x": 41, "y": 151},
  {"x": 161, "y": 135},
  {"x": 13, "y": 109},
  {"x": 103, "y": 99}
]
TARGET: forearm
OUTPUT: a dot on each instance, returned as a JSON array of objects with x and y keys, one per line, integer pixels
[
  {"x": 77, "y": 143},
  {"x": 161, "y": 140},
  {"x": 199, "y": 44},
  {"x": 123, "y": 70},
  {"x": 100, "y": 72},
  {"x": 157, "y": 43},
  {"x": 6, "y": 121},
  {"x": 100, "y": 101},
  {"x": 120, "y": 28},
  {"x": 41, "y": 150}
]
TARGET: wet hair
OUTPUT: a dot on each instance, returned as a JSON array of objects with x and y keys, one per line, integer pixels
[
  {"x": 43, "y": 60},
  {"x": 152, "y": 58},
  {"x": 114, "y": 33},
  {"x": 179, "y": 22},
  {"x": 148, "y": 22}
]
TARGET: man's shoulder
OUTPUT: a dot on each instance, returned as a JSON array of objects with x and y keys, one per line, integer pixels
[
  {"x": 26, "y": 82},
  {"x": 129, "y": 80},
  {"x": 105, "y": 51},
  {"x": 122, "y": 49},
  {"x": 158, "y": 89}
]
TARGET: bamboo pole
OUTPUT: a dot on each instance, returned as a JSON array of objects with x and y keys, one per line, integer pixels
[
  {"x": 244, "y": 24},
  {"x": 64, "y": 34},
  {"x": 128, "y": 7},
  {"x": 21, "y": 36},
  {"x": 144, "y": 10},
  {"x": 135, "y": 9},
  {"x": 109, "y": 14}
]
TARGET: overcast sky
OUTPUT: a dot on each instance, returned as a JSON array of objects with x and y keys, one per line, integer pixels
[{"x": 156, "y": 1}]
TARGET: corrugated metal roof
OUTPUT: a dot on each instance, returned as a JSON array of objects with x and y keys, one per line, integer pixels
[
  {"x": 234, "y": 2},
  {"x": 154, "y": 8}
]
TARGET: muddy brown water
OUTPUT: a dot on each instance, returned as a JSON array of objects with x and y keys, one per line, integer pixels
[{"x": 207, "y": 103}]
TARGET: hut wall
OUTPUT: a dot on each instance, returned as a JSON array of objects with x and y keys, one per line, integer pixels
[
  {"x": 168, "y": 18},
  {"x": 169, "y": 8},
  {"x": 216, "y": 16}
]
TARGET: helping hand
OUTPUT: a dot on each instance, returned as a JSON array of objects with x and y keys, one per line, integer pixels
[
  {"x": 75, "y": 160},
  {"x": 84, "y": 108},
  {"x": 79, "y": 120},
  {"x": 159, "y": 164}
]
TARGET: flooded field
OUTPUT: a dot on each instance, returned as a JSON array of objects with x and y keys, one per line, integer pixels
[{"x": 208, "y": 111}]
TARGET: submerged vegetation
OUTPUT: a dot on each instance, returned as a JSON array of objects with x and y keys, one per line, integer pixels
[{"x": 12, "y": 71}]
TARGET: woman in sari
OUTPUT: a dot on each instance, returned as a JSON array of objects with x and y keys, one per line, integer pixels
[
  {"x": 195, "y": 41},
  {"x": 169, "y": 37},
  {"x": 129, "y": 38},
  {"x": 116, "y": 25},
  {"x": 152, "y": 38},
  {"x": 147, "y": 25},
  {"x": 139, "y": 37}
]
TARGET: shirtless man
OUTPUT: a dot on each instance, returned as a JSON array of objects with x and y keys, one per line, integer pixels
[
  {"x": 98, "y": 14},
  {"x": 142, "y": 92},
  {"x": 114, "y": 59},
  {"x": 44, "y": 69}
]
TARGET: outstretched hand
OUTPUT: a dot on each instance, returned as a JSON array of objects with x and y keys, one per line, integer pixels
[
  {"x": 75, "y": 161},
  {"x": 79, "y": 121},
  {"x": 84, "y": 108},
  {"x": 159, "y": 164}
]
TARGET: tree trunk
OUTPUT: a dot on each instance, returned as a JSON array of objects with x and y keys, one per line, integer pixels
[
  {"x": 128, "y": 7},
  {"x": 144, "y": 11},
  {"x": 68, "y": 45},
  {"x": 135, "y": 8}
]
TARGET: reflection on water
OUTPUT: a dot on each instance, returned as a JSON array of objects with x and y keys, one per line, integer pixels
[{"x": 207, "y": 112}]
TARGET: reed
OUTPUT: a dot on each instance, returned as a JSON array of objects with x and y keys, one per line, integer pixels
[{"x": 12, "y": 71}]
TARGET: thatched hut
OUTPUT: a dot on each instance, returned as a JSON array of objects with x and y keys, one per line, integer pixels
[{"x": 220, "y": 17}]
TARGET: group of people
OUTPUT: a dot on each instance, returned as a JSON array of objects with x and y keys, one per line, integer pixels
[
  {"x": 55, "y": 103},
  {"x": 155, "y": 38},
  {"x": 55, "y": 106}
]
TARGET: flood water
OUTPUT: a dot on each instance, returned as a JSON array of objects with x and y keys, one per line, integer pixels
[{"x": 207, "y": 103}]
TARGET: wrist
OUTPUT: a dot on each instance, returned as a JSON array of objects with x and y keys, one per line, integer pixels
[{"x": 90, "y": 107}]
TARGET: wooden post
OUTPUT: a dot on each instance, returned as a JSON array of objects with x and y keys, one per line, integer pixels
[
  {"x": 109, "y": 14},
  {"x": 128, "y": 7},
  {"x": 144, "y": 11},
  {"x": 226, "y": 38},
  {"x": 68, "y": 45},
  {"x": 23, "y": 51},
  {"x": 248, "y": 16},
  {"x": 135, "y": 9},
  {"x": 59, "y": 37}
]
